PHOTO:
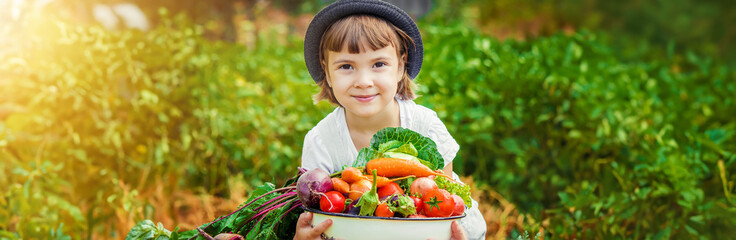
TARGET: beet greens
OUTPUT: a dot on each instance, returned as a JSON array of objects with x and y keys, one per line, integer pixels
[{"x": 269, "y": 213}]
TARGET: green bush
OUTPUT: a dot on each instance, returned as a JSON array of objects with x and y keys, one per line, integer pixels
[
  {"x": 109, "y": 117},
  {"x": 685, "y": 25},
  {"x": 605, "y": 147}
]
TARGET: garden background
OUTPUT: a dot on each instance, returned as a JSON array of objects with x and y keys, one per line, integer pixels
[{"x": 576, "y": 119}]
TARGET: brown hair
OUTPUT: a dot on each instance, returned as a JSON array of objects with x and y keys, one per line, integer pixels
[{"x": 355, "y": 31}]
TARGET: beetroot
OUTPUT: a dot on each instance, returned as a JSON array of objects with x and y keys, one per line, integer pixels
[{"x": 311, "y": 185}]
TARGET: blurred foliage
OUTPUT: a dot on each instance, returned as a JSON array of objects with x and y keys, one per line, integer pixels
[
  {"x": 595, "y": 138},
  {"x": 108, "y": 117},
  {"x": 602, "y": 147},
  {"x": 221, "y": 19},
  {"x": 688, "y": 25}
]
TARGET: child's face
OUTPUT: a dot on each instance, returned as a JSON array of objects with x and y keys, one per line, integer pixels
[{"x": 364, "y": 83}]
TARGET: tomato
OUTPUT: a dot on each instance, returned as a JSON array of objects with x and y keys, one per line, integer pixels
[
  {"x": 383, "y": 211},
  {"x": 438, "y": 203},
  {"x": 417, "y": 203},
  {"x": 417, "y": 216},
  {"x": 459, "y": 205},
  {"x": 389, "y": 189},
  {"x": 420, "y": 186},
  {"x": 332, "y": 201}
]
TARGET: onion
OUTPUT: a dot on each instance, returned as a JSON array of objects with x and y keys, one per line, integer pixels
[{"x": 311, "y": 185}]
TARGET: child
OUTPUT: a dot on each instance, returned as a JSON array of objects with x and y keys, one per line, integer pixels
[{"x": 364, "y": 55}]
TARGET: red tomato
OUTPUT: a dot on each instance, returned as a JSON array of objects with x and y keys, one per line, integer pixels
[
  {"x": 459, "y": 205},
  {"x": 383, "y": 211},
  {"x": 333, "y": 202},
  {"x": 417, "y": 203},
  {"x": 421, "y": 186},
  {"x": 389, "y": 189},
  {"x": 417, "y": 216},
  {"x": 438, "y": 203}
]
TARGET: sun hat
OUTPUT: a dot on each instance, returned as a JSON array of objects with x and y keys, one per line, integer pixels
[{"x": 342, "y": 8}]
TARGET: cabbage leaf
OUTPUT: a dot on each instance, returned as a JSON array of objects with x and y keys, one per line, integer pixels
[{"x": 398, "y": 142}]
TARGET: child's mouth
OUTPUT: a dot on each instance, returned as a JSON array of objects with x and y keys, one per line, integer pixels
[{"x": 365, "y": 98}]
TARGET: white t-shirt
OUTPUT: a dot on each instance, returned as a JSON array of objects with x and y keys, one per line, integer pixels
[
  {"x": 329, "y": 146},
  {"x": 342, "y": 151}
]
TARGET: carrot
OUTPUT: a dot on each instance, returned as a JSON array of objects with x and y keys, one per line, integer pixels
[
  {"x": 351, "y": 175},
  {"x": 396, "y": 167},
  {"x": 383, "y": 181},
  {"x": 340, "y": 185},
  {"x": 358, "y": 188}
]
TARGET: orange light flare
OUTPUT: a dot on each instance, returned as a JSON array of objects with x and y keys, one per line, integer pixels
[{"x": 32, "y": 31}]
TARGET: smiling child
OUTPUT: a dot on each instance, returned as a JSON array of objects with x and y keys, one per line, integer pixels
[{"x": 364, "y": 55}]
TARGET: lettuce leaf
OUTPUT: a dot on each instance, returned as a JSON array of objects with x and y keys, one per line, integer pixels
[
  {"x": 404, "y": 205},
  {"x": 459, "y": 189}
]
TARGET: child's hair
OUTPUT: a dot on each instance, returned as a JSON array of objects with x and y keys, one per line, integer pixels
[{"x": 355, "y": 31}]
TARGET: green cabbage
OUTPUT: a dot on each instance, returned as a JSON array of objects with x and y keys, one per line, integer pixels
[{"x": 401, "y": 143}]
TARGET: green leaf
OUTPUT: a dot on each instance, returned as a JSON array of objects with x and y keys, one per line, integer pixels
[
  {"x": 235, "y": 220},
  {"x": 369, "y": 201},
  {"x": 407, "y": 148},
  {"x": 404, "y": 206},
  {"x": 387, "y": 146},
  {"x": 401, "y": 143},
  {"x": 425, "y": 147},
  {"x": 147, "y": 230},
  {"x": 366, "y": 154},
  {"x": 400, "y": 155},
  {"x": 59, "y": 234},
  {"x": 459, "y": 189}
]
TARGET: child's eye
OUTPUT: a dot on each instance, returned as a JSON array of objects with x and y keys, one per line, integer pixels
[
  {"x": 345, "y": 67},
  {"x": 379, "y": 64}
]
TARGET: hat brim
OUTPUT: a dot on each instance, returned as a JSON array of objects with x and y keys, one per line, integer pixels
[{"x": 328, "y": 15}]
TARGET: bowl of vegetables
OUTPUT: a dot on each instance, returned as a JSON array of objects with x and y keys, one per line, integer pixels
[
  {"x": 347, "y": 226},
  {"x": 394, "y": 190},
  {"x": 399, "y": 199}
]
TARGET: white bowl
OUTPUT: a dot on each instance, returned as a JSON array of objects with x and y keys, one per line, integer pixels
[{"x": 354, "y": 227}]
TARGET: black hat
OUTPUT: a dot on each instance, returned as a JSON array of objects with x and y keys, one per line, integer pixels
[{"x": 343, "y": 8}]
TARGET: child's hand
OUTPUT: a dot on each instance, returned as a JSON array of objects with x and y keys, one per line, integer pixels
[
  {"x": 456, "y": 232},
  {"x": 305, "y": 231}
]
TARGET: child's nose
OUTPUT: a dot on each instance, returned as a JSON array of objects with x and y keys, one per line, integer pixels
[{"x": 364, "y": 79}]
